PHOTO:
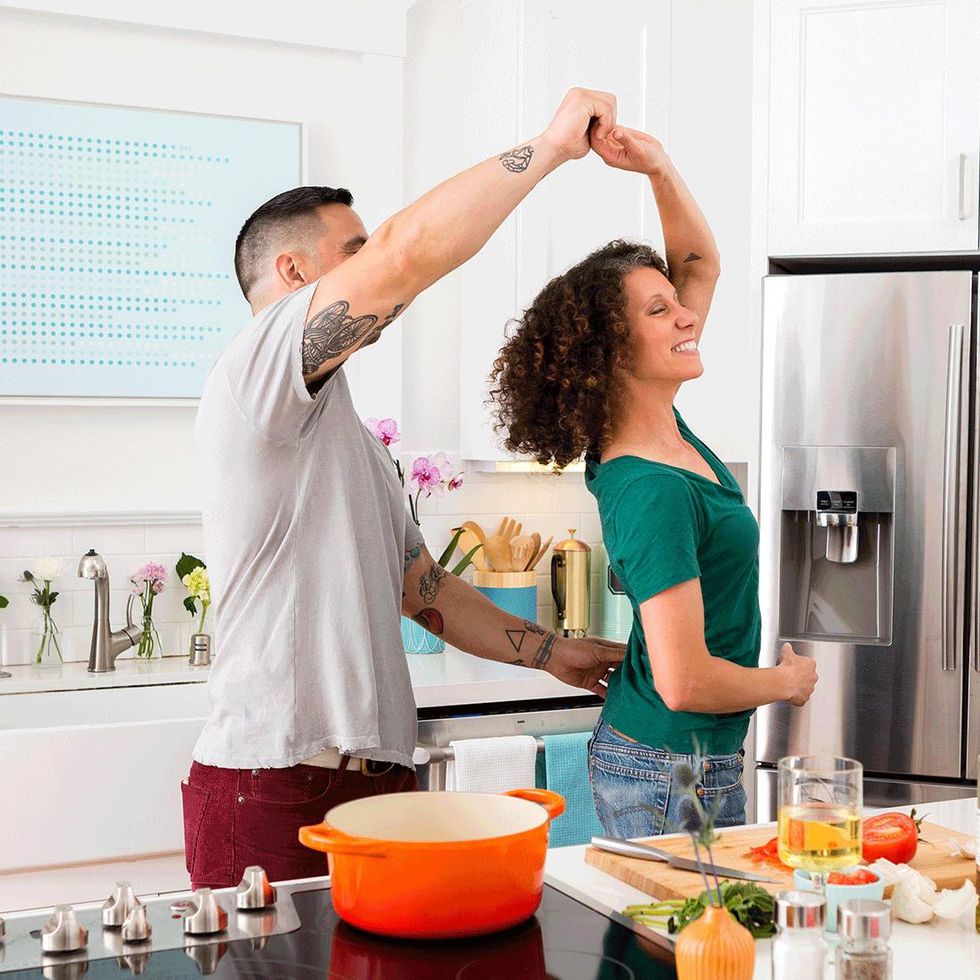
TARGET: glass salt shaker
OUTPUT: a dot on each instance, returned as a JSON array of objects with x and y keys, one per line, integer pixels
[
  {"x": 799, "y": 951},
  {"x": 864, "y": 926}
]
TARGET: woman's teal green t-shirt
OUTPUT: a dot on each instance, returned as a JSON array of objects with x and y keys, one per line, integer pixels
[{"x": 661, "y": 526}]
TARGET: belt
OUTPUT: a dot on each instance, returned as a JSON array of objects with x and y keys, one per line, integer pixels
[{"x": 332, "y": 759}]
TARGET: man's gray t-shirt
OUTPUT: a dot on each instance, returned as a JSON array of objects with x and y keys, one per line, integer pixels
[{"x": 305, "y": 536}]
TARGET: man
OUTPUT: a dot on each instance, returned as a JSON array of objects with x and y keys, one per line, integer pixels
[{"x": 311, "y": 555}]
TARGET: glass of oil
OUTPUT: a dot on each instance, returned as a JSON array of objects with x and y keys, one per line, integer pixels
[{"x": 820, "y": 800}]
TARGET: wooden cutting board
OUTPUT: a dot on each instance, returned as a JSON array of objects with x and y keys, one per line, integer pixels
[{"x": 662, "y": 881}]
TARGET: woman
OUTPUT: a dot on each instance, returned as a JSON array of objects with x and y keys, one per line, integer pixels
[{"x": 594, "y": 368}]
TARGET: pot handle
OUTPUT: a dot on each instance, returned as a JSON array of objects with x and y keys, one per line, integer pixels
[
  {"x": 323, "y": 837},
  {"x": 552, "y": 802}
]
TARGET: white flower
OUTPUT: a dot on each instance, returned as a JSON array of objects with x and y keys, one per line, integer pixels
[{"x": 48, "y": 568}]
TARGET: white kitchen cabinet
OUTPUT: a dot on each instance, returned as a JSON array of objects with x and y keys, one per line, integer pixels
[
  {"x": 874, "y": 126},
  {"x": 525, "y": 55}
]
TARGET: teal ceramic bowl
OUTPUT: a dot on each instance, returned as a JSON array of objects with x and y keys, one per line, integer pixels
[{"x": 842, "y": 893}]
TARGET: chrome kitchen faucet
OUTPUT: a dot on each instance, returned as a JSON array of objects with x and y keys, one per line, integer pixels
[{"x": 106, "y": 644}]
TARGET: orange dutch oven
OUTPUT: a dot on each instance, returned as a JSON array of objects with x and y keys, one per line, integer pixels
[{"x": 437, "y": 865}]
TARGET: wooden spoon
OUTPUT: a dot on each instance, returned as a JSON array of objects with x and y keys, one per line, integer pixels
[
  {"x": 498, "y": 551},
  {"x": 522, "y": 550},
  {"x": 538, "y": 556},
  {"x": 473, "y": 535},
  {"x": 535, "y": 548}
]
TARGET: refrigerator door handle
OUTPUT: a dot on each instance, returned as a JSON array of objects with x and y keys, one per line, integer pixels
[{"x": 951, "y": 457}]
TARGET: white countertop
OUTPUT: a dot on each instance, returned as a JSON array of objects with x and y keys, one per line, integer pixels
[
  {"x": 950, "y": 950},
  {"x": 439, "y": 679}
]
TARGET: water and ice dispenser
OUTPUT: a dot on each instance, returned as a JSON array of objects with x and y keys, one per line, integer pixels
[{"x": 837, "y": 533}]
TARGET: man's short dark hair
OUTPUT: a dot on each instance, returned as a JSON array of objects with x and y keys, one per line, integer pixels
[{"x": 267, "y": 225}]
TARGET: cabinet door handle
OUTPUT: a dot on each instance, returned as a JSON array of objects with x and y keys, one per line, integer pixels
[{"x": 964, "y": 210}]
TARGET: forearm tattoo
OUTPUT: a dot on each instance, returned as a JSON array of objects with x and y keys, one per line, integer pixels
[
  {"x": 412, "y": 556},
  {"x": 517, "y": 160},
  {"x": 430, "y": 583},
  {"x": 333, "y": 332},
  {"x": 542, "y": 655}
]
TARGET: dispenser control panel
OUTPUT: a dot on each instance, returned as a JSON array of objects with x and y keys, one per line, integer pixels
[{"x": 838, "y": 501}]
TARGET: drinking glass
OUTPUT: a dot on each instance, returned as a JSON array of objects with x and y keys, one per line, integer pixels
[{"x": 820, "y": 799}]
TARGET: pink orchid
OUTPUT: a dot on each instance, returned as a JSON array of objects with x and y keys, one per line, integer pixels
[
  {"x": 385, "y": 430},
  {"x": 426, "y": 475},
  {"x": 456, "y": 482}
]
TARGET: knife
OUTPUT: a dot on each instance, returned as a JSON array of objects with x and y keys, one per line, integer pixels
[{"x": 633, "y": 849}]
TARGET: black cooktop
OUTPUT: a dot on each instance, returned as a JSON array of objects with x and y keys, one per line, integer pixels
[{"x": 565, "y": 940}]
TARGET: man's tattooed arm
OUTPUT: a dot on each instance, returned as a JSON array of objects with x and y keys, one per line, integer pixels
[
  {"x": 542, "y": 655},
  {"x": 430, "y": 583},
  {"x": 517, "y": 160},
  {"x": 333, "y": 332}
]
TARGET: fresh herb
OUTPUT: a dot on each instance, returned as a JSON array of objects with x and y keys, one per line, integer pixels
[{"x": 750, "y": 905}]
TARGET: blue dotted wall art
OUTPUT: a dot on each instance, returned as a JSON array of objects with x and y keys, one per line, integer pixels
[{"x": 117, "y": 235}]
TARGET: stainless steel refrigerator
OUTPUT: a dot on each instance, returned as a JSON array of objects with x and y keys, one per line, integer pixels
[{"x": 870, "y": 519}]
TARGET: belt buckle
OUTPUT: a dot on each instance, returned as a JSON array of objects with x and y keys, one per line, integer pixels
[{"x": 374, "y": 768}]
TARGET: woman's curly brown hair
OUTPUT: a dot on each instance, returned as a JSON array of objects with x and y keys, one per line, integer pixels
[{"x": 553, "y": 382}]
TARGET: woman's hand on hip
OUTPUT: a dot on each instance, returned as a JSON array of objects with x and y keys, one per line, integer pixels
[
  {"x": 630, "y": 149},
  {"x": 800, "y": 674}
]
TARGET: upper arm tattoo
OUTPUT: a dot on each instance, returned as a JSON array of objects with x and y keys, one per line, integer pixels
[
  {"x": 333, "y": 332},
  {"x": 517, "y": 160},
  {"x": 412, "y": 556},
  {"x": 430, "y": 583},
  {"x": 692, "y": 257}
]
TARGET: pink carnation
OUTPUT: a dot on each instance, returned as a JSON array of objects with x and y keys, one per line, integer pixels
[
  {"x": 152, "y": 572},
  {"x": 385, "y": 429}
]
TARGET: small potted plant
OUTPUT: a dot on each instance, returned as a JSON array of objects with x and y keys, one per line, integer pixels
[
  {"x": 148, "y": 582},
  {"x": 46, "y": 636},
  {"x": 193, "y": 573},
  {"x": 714, "y": 944},
  {"x": 429, "y": 476}
]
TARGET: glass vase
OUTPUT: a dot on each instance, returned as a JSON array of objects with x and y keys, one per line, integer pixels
[
  {"x": 46, "y": 644},
  {"x": 417, "y": 639},
  {"x": 150, "y": 638}
]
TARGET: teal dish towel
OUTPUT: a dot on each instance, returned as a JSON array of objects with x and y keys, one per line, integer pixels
[{"x": 563, "y": 768}]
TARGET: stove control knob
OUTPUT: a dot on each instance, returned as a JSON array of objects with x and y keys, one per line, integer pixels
[
  {"x": 137, "y": 926},
  {"x": 118, "y": 905},
  {"x": 255, "y": 892},
  {"x": 63, "y": 933},
  {"x": 209, "y": 917}
]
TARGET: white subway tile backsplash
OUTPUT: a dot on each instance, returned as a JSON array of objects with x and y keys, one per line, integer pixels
[
  {"x": 122, "y": 539},
  {"x": 165, "y": 539},
  {"x": 29, "y": 542}
]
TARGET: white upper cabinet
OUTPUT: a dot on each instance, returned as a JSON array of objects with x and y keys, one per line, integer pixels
[
  {"x": 874, "y": 126},
  {"x": 525, "y": 55}
]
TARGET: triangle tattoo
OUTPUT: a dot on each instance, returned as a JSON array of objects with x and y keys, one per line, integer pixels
[{"x": 516, "y": 638}]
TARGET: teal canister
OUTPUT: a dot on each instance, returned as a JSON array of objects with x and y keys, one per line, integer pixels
[{"x": 615, "y": 610}]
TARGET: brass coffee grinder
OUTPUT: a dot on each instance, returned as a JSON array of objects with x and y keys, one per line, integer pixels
[{"x": 570, "y": 585}]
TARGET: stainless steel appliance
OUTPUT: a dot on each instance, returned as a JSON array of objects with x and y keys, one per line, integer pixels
[{"x": 870, "y": 518}]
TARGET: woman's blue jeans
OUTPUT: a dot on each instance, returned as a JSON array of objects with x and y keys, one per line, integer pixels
[{"x": 634, "y": 790}]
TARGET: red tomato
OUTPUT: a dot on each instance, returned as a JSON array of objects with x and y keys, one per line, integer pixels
[
  {"x": 859, "y": 877},
  {"x": 768, "y": 853},
  {"x": 889, "y": 835}
]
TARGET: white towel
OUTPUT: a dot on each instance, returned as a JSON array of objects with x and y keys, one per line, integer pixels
[{"x": 492, "y": 765}]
